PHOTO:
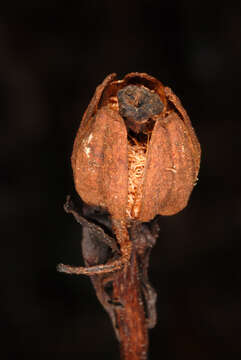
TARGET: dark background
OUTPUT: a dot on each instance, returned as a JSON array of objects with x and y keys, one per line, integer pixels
[{"x": 51, "y": 59}]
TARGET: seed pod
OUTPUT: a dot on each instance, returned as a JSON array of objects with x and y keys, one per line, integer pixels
[{"x": 135, "y": 153}]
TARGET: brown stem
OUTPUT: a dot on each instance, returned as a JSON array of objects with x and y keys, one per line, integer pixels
[
  {"x": 126, "y": 294},
  {"x": 130, "y": 315}
]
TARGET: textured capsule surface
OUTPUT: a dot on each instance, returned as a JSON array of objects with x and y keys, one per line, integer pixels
[{"x": 135, "y": 153}]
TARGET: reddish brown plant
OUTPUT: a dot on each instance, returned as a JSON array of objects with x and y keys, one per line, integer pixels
[{"x": 135, "y": 155}]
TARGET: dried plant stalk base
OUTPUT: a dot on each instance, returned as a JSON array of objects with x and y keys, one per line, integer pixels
[{"x": 126, "y": 295}]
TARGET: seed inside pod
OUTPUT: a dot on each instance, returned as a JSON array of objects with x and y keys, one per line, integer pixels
[
  {"x": 136, "y": 166},
  {"x": 137, "y": 105}
]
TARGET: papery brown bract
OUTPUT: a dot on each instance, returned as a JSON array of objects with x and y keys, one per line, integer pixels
[
  {"x": 100, "y": 163},
  {"x": 172, "y": 164}
]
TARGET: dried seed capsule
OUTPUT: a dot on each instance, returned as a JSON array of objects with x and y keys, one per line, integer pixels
[{"x": 136, "y": 153}]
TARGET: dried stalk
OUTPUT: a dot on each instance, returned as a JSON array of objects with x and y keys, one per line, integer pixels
[
  {"x": 126, "y": 294},
  {"x": 135, "y": 155},
  {"x": 130, "y": 315}
]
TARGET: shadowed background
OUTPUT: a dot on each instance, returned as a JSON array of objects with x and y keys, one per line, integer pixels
[{"x": 51, "y": 59}]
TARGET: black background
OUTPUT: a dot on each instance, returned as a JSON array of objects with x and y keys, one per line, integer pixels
[{"x": 51, "y": 59}]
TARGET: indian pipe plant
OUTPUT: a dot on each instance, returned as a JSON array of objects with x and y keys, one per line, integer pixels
[{"x": 135, "y": 156}]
